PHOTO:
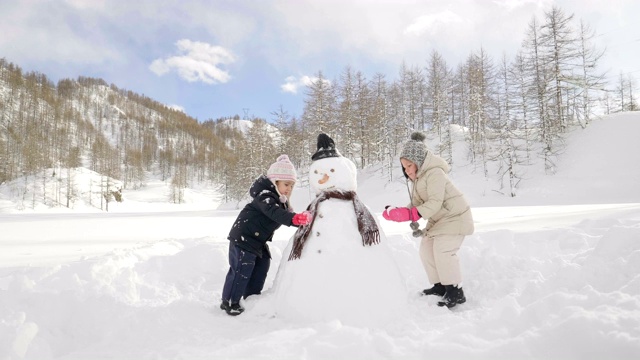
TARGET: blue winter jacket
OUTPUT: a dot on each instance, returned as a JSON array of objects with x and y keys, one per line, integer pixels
[{"x": 260, "y": 218}]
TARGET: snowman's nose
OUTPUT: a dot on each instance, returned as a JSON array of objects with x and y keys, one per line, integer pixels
[{"x": 324, "y": 179}]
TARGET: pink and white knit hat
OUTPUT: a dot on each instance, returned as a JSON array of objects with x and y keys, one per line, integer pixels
[{"x": 282, "y": 169}]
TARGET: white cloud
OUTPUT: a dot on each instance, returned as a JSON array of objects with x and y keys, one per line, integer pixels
[
  {"x": 196, "y": 61},
  {"x": 511, "y": 5},
  {"x": 33, "y": 33},
  {"x": 292, "y": 83},
  {"x": 88, "y": 4},
  {"x": 176, "y": 107},
  {"x": 431, "y": 23},
  {"x": 389, "y": 33}
]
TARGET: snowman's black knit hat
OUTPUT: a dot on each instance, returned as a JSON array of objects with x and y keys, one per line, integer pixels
[{"x": 326, "y": 148}]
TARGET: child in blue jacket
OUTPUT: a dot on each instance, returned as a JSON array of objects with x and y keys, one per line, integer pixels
[{"x": 249, "y": 256}]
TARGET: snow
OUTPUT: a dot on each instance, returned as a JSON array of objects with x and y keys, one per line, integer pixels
[{"x": 552, "y": 273}]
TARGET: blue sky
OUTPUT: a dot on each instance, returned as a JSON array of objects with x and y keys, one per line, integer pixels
[{"x": 220, "y": 58}]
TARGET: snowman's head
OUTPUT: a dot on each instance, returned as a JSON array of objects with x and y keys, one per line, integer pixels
[{"x": 330, "y": 170}]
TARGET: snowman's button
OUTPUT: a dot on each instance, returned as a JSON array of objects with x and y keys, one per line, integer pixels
[
  {"x": 317, "y": 233},
  {"x": 319, "y": 251},
  {"x": 320, "y": 216}
]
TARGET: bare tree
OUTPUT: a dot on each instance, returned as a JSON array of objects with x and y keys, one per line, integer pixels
[
  {"x": 365, "y": 125},
  {"x": 320, "y": 106},
  {"x": 178, "y": 184},
  {"x": 507, "y": 142},
  {"x": 282, "y": 120},
  {"x": 383, "y": 138},
  {"x": 633, "y": 104},
  {"x": 559, "y": 53},
  {"x": 522, "y": 97},
  {"x": 438, "y": 93},
  {"x": 412, "y": 95},
  {"x": 481, "y": 78},
  {"x": 260, "y": 151},
  {"x": 539, "y": 80},
  {"x": 345, "y": 130},
  {"x": 590, "y": 79}
]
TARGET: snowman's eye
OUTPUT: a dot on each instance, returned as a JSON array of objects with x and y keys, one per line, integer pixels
[
  {"x": 332, "y": 170},
  {"x": 315, "y": 172}
]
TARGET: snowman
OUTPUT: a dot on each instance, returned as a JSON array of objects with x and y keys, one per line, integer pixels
[{"x": 338, "y": 267}]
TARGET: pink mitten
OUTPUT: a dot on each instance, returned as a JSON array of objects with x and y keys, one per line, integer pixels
[
  {"x": 301, "y": 219},
  {"x": 401, "y": 214}
]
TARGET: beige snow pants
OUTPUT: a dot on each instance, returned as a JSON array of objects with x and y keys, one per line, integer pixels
[{"x": 439, "y": 255}]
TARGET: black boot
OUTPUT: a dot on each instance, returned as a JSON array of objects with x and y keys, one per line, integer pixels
[
  {"x": 231, "y": 309},
  {"x": 436, "y": 289},
  {"x": 452, "y": 297},
  {"x": 234, "y": 309}
]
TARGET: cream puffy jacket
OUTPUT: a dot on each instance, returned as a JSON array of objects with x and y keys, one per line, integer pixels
[{"x": 439, "y": 201}]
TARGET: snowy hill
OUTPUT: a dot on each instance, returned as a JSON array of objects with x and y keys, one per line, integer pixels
[
  {"x": 244, "y": 126},
  {"x": 598, "y": 167},
  {"x": 551, "y": 273}
]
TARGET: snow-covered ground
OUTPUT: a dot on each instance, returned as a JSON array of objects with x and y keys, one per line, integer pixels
[{"x": 552, "y": 273}]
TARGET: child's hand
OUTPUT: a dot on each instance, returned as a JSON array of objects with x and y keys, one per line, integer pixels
[{"x": 301, "y": 219}]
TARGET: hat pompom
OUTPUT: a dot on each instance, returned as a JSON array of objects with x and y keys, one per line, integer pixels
[
  {"x": 418, "y": 136},
  {"x": 282, "y": 169},
  {"x": 326, "y": 148},
  {"x": 325, "y": 142}
]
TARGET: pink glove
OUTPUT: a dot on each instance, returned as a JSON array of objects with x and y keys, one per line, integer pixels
[
  {"x": 401, "y": 214},
  {"x": 301, "y": 219}
]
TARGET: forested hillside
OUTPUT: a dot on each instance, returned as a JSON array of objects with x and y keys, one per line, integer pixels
[
  {"x": 505, "y": 112},
  {"x": 47, "y": 129}
]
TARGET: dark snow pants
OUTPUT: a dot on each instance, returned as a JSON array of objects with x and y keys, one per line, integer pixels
[{"x": 247, "y": 274}]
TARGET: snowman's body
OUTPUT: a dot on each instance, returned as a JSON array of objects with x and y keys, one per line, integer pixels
[{"x": 336, "y": 276}]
